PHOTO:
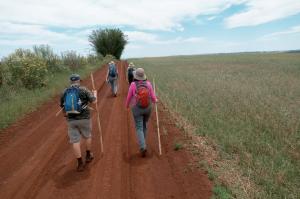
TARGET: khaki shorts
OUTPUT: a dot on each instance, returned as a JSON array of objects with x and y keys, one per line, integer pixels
[{"x": 78, "y": 128}]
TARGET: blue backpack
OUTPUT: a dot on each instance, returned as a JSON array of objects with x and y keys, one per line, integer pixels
[
  {"x": 72, "y": 101},
  {"x": 112, "y": 70}
]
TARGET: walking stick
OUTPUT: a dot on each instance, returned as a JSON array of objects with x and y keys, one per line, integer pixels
[
  {"x": 58, "y": 112},
  {"x": 157, "y": 122},
  {"x": 98, "y": 117}
]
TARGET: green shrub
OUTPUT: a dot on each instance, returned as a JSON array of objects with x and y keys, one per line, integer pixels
[
  {"x": 27, "y": 69},
  {"x": 221, "y": 192},
  {"x": 108, "y": 41},
  {"x": 1, "y": 74},
  {"x": 73, "y": 60},
  {"x": 93, "y": 59},
  {"x": 52, "y": 60},
  {"x": 108, "y": 58},
  {"x": 177, "y": 146}
]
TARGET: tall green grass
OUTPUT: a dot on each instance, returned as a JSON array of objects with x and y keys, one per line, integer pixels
[
  {"x": 16, "y": 102},
  {"x": 249, "y": 104}
]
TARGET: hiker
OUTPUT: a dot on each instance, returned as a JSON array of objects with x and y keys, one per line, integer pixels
[
  {"x": 74, "y": 101},
  {"x": 112, "y": 77},
  {"x": 130, "y": 70},
  {"x": 140, "y": 98}
]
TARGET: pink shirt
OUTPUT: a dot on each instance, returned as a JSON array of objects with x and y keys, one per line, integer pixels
[{"x": 131, "y": 99}]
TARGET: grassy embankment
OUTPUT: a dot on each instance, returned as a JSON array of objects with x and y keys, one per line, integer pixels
[
  {"x": 15, "y": 102},
  {"x": 248, "y": 104}
]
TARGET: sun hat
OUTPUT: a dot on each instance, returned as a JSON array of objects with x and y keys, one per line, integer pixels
[
  {"x": 131, "y": 64},
  {"x": 139, "y": 74},
  {"x": 74, "y": 77}
]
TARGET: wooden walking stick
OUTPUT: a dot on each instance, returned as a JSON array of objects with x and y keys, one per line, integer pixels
[
  {"x": 98, "y": 117},
  {"x": 58, "y": 112},
  {"x": 157, "y": 122}
]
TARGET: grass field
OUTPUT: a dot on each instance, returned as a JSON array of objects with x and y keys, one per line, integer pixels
[
  {"x": 15, "y": 102},
  {"x": 249, "y": 104}
]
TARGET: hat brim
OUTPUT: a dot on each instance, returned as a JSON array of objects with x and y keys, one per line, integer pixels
[{"x": 139, "y": 78}]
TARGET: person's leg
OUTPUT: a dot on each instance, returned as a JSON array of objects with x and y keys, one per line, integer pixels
[
  {"x": 86, "y": 128},
  {"x": 77, "y": 150},
  {"x": 88, "y": 144},
  {"x": 111, "y": 82},
  {"x": 138, "y": 119},
  {"x": 146, "y": 116},
  {"x": 116, "y": 86},
  {"x": 74, "y": 136}
]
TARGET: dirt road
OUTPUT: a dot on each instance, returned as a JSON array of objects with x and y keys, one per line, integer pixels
[{"x": 37, "y": 161}]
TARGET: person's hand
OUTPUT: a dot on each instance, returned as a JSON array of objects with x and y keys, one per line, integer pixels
[{"x": 95, "y": 95}]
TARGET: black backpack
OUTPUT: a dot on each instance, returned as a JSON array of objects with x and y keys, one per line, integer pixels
[
  {"x": 112, "y": 70},
  {"x": 130, "y": 72}
]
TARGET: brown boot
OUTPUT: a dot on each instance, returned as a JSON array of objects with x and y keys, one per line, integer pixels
[
  {"x": 89, "y": 157},
  {"x": 80, "y": 165},
  {"x": 143, "y": 152}
]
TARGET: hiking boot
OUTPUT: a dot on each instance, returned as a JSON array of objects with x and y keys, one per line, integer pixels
[
  {"x": 143, "y": 152},
  {"x": 80, "y": 167},
  {"x": 89, "y": 158}
]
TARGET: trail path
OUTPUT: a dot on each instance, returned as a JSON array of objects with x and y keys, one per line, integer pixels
[{"x": 37, "y": 160}]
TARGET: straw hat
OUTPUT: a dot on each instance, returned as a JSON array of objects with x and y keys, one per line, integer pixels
[
  {"x": 139, "y": 74},
  {"x": 131, "y": 64}
]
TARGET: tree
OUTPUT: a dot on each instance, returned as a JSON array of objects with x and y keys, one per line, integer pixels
[{"x": 108, "y": 41}]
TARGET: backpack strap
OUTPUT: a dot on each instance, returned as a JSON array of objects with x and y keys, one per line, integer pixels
[{"x": 139, "y": 84}]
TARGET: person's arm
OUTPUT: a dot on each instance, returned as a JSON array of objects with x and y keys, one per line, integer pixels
[
  {"x": 107, "y": 75},
  {"x": 127, "y": 70},
  {"x": 130, "y": 94},
  {"x": 117, "y": 72},
  {"x": 62, "y": 99},
  {"x": 91, "y": 96},
  {"x": 152, "y": 94}
]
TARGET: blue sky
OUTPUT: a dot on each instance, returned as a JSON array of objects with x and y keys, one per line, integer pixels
[{"x": 154, "y": 27}]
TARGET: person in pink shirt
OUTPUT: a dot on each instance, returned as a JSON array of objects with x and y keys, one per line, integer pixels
[{"x": 140, "y": 98}]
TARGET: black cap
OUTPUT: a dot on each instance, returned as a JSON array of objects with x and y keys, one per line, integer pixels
[{"x": 74, "y": 77}]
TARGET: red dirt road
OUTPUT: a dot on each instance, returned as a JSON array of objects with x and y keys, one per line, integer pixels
[{"x": 37, "y": 160}]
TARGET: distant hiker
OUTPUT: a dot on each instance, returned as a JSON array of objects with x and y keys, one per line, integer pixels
[
  {"x": 112, "y": 77},
  {"x": 130, "y": 70},
  {"x": 74, "y": 101},
  {"x": 140, "y": 98}
]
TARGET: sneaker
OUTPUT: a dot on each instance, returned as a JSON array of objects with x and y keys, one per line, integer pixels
[
  {"x": 143, "y": 152},
  {"x": 89, "y": 158},
  {"x": 80, "y": 167}
]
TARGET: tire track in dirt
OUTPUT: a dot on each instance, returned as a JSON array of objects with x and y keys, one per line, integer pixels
[{"x": 38, "y": 162}]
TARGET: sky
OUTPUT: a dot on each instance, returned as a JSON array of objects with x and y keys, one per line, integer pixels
[{"x": 153, "y": 27}]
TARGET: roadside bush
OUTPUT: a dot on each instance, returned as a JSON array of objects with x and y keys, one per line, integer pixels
[
  {"x": 1, "y": 74},
  {"x": 52, "y": 60},
  {"x": 93, "y": 59},
  {"x": 73, "y": 60},
  {"x": 108, "y": 58},
  {"x": 108, "y": 41},
  {"x": 27, "y": 69}
]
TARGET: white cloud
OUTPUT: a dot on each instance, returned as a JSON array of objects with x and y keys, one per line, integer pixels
[
  {"x": 25, "y": 35},
  {"x": 142, "y": 14},
  {"x": 276, "y": 35},
  {"x": 138, "y": 36},
  {"x": 211, "y": 18},
  {"x": 66, "y": 24},
  {"x": 260, "y": 12},
  {"x": 150, "y": 38}
]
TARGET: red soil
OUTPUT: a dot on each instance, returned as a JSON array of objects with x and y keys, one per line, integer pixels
[{"x": 37, "y": 161}]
